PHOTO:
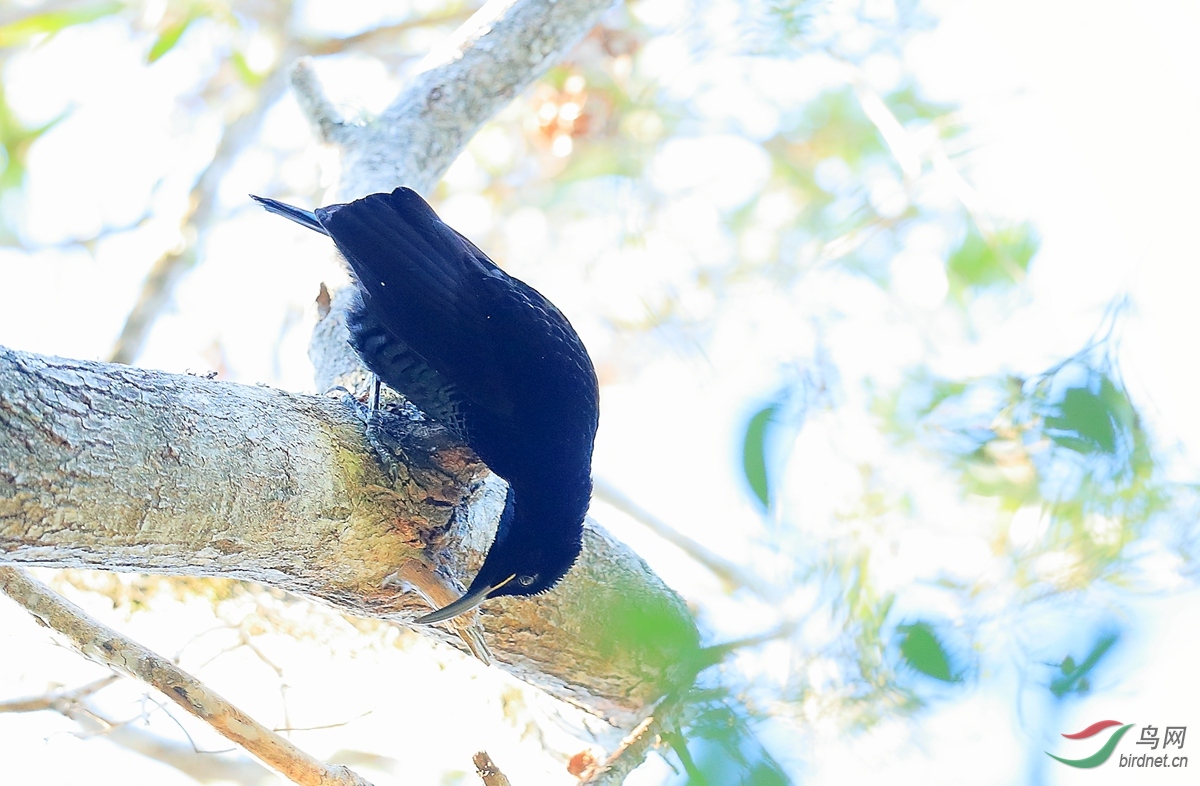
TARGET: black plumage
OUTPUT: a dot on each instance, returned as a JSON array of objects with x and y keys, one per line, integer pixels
[{"x": 487, "y": 356}]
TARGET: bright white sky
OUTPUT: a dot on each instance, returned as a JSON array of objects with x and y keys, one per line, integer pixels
[{"x": 1086, "y": 118}]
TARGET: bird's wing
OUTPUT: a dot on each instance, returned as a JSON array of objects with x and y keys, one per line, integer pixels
[{"x": 430, "y": 288}]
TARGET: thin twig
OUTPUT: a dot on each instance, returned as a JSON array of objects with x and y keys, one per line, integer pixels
[
  {"x": 331, "y": 127},
  {"x": 907, "y": 152},
  {"x": 732, "y": 575},
  {"x": 323, "y": 726},
  {"x": 636, "y": 746},
  {"x": 201, "y": 766},
  {"x": 488, "y": 772},
  {"x": 168, "y": 270},
  {"x": 58, "y": 701},
  {"x": 438, "y": 593},
  {"x": 104, "y": 645},
  {"x": 331, "y": 46},
  {"x": 718, "y": 652}
]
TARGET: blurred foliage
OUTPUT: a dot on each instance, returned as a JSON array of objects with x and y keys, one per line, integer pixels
[
  {"x": 1074, "y": 677},
  {"x": 41, "y": 25},
  {"x": 1068, "y": 440},
  {"x": 1055, "y": 474},
  {"x": 981, "y": 261},
  {"x": 754, "y": 453},
  {"x": 718, "y": 746},
  {"x": 171, "y": 31},
  {"x": 17, "y": 137},
  {"x": 921, "y": 648},
  {"x": 1088, "y": 421},
  {"x": 246, "y": 43}
]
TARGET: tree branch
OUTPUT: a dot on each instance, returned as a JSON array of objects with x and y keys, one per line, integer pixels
[
  {"x": 671, "y": 713},
  {"x": 120, "y": 468},
  {"x": 487, "y": 771},
  {"x": 126, "y": 469},
  {"x": 104, "y": 645},
  {"x": 61, "y": 701},
  {"x": 731, "y": 575},
  {"x": 198, "y": 765},
  {"x": 617, "y": 610},
  {"x": 169, "y": 270},
  {"x": 496, "y": 54}
]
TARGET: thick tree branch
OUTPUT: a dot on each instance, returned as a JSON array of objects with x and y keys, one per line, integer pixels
[
  {"x": 120, "y": 468},
  {"x": 487, "y": 62},
  {"x": 125, "y": 469},
  {"x": 104, "y": 645}
]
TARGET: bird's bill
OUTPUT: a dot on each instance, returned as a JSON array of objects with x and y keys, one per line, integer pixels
[{"x": 462, "y": 605}]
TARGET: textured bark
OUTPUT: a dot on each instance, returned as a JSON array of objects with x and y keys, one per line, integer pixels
[
  {"x": 107, "y": 466},
  {"x": 125, "y": 469}
]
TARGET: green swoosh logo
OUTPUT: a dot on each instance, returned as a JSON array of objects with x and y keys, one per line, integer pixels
[{"x": 1100, "y": 756}]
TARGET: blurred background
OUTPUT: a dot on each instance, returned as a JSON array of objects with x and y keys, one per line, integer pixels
[{"x": 891, "y": 304}]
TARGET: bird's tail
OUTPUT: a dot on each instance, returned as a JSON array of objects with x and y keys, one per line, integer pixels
[{"x": 303, "y": 217}]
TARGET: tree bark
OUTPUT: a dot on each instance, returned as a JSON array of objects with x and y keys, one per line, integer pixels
[
  {"x": 119, "y": 468},
  {"x": 125, "y": 469}
]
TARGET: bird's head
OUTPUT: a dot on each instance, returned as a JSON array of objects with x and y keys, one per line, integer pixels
[{"x": 523, "y": 560}]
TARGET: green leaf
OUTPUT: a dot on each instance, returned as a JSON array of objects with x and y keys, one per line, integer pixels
[
  {"x": 923, "y": 651},
  {"x": 50, "y": 22},
  {"x": 1088, "y": 422},
  {"x": 15, "y": 141},
  {"x": 168, "y": 37},
  {"x": 1120, "y": 408},
  {"x": 908, "y": 103},
  {"x": 249, "y": 77},
  {"x": 754, "y": 456},
  {"x": 1001, "y": 257}
]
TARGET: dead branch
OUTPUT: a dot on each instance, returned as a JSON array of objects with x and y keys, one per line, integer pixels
[
  {"x": 488, "y": 772},
  {"x": 104, "y": 645}
]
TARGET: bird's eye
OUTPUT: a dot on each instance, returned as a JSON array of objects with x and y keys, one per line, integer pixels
[{"x": 525, "y": 581}]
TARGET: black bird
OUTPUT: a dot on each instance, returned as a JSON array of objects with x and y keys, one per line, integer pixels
[{"x": 487, "y": 356}]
